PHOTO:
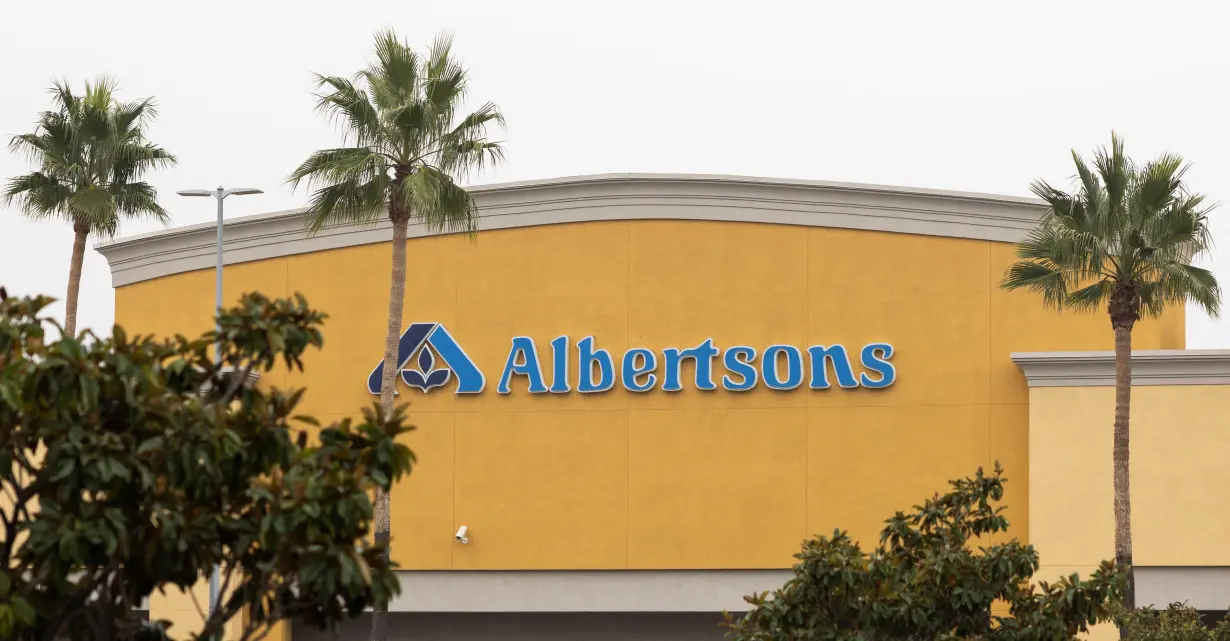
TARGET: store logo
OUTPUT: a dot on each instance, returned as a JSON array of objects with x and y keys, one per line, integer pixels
[{"x": 438, "y": 359}]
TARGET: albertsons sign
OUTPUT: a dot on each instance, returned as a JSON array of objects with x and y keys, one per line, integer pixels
[{"x": 429, "y": 357}]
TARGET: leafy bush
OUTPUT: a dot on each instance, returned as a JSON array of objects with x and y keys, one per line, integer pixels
[
  {"x": 129, "y": 465},
  {"x": 925, "y": 580},
  {"x": 1178, "y": 622}
]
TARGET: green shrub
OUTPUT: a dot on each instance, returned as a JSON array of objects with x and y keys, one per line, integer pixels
[
  {"x": 130, "y": 465},
  {"x": 928, "y": 580},
  {"x": 1178, "y": 622}
]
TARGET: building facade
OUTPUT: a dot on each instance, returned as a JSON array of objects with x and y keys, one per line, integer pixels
[{"x": 641, "y": 393}]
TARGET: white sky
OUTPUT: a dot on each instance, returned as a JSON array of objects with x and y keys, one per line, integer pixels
[{"x": 970, "y": 95}]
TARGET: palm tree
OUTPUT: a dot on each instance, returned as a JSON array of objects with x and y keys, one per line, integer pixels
[
  {"x": 1123, "y": 242},
  {"x": 405, "y": 149},
  {"x": 92, "y": 152}
]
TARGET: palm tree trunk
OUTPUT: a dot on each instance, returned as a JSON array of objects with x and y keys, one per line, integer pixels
[
  {"x": 80, "y": 232},
  {"x": 388, "y": 387},
  {"x": 1122, "y": 487}
]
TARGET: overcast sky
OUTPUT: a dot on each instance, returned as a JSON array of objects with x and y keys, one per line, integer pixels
[{"x": 972, "y": 95}]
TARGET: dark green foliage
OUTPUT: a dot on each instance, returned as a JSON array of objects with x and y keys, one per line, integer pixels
[
  {"x": 1178, "y": 622},
  {"x": 1126, "y": 237},
  {"x": 92, "y": 151},
  {"x": 406, "y": 141},
  {"x": 925, "y": 580},
  {"x": 129, "y": 465}
]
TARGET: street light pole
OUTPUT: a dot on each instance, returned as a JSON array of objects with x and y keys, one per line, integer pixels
[
  {"x": 220, "y": 194},
  {"x": 218, "y": 305}
]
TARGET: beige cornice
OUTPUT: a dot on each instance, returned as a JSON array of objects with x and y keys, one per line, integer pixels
[
  {"x": 603, "y": 197},
  {"x": 1097, "y": 369}
]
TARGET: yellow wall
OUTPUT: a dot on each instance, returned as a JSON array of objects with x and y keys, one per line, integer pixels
[
  {"x": 1180, "y": 446},
  {"x": 186, "y": 610},
  {"x": 686, "y": 480}
]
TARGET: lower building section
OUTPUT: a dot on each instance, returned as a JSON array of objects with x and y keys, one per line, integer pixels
[
  {"x": 582, "y": 591},
  {"x": 1205, "y": 588},
  {"x": 522, "y": 626},
  {"x": 642, "y": 605}
]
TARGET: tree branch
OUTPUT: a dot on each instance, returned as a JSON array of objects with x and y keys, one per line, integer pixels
[
  {"x": 265, "y": 627},
  {"x": 221, "y": 615},
  {"x": 235, "y": 384},
  {"x": 21, "y": 499},
  {"x": 73, "y": 604},
  {"x": 197, "y": 603}
]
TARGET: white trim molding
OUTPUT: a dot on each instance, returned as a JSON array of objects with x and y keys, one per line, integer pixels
[
  {"x": 1149, "y": 367},
  {"x": 601, "y": 198},
  {"x": 582, "y": 590}
]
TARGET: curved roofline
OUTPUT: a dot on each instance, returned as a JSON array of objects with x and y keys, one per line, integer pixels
[{"x": 711, "y": 197}]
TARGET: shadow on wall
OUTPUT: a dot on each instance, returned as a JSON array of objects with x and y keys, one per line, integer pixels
[{"x": 562, "y": 626}]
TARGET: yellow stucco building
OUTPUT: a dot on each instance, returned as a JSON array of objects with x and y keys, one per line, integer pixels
[{"x": 644, "y": 410}]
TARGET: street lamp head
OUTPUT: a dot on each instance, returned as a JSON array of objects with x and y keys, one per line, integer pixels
[{"x": 220, "y": 192}]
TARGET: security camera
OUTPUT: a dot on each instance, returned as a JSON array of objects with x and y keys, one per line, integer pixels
[{"x": 461, "y": 535}]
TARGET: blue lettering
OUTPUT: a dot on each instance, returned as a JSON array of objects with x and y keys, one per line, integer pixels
[
  {"x": 820, "y": 356},
  {"x": 875, "y": 358},
  {"x": 702, "y": 355},
  {"x": 559, "y": 368},
  {"x": 738, "y": 361},
  {"x": 794, "y": 367},
  {"x": 585, "y": 367},
  {"x": 631, "y": 371},
  {"x": 523, "y": 360},
  {"x": 670, "y": 379}
]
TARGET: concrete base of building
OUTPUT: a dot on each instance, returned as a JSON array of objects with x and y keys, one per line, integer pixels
[
  {"x": 1205, "y": 588},
  {"x": 582, "y": 590}
]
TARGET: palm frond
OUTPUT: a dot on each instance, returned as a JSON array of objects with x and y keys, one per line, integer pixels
[
  {"x": 1115, "y": 170},
  {"x": 351, "y": 107},
  {"x": 32, "y": 146},
  {"x": 1159, "y": 183},
  {"x": 475, "y": 124},
  {"x": 1079, "y": 254},
  {"x": 138, "y": 200},
  {"x": 438, "y": 203},
  {"x": 1181, "y": 228},
  {"x": 94, "y": 208},
  {"x": 1092, "y": 190},
  {"x": 100, "y": 94},
  {"x": 1179, "y": 283},
  {"x": 133, "y": 116},
  {"x": 1059, "y": 202},
  {"x": 62, "y": 95},
  {"x": 394, "y": 77},
  {"x": 465, "y": 149},
  {"x": 347, "y": 202},
  {"x": 37, "y": 195},
  {"x": 1048, "y": 281},
  {"x": 1092, "y": 297},
  {"x": 340, "y": 165},
  {"x": 131, "y": 161},
  {"x": 445, "y": 79}
]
